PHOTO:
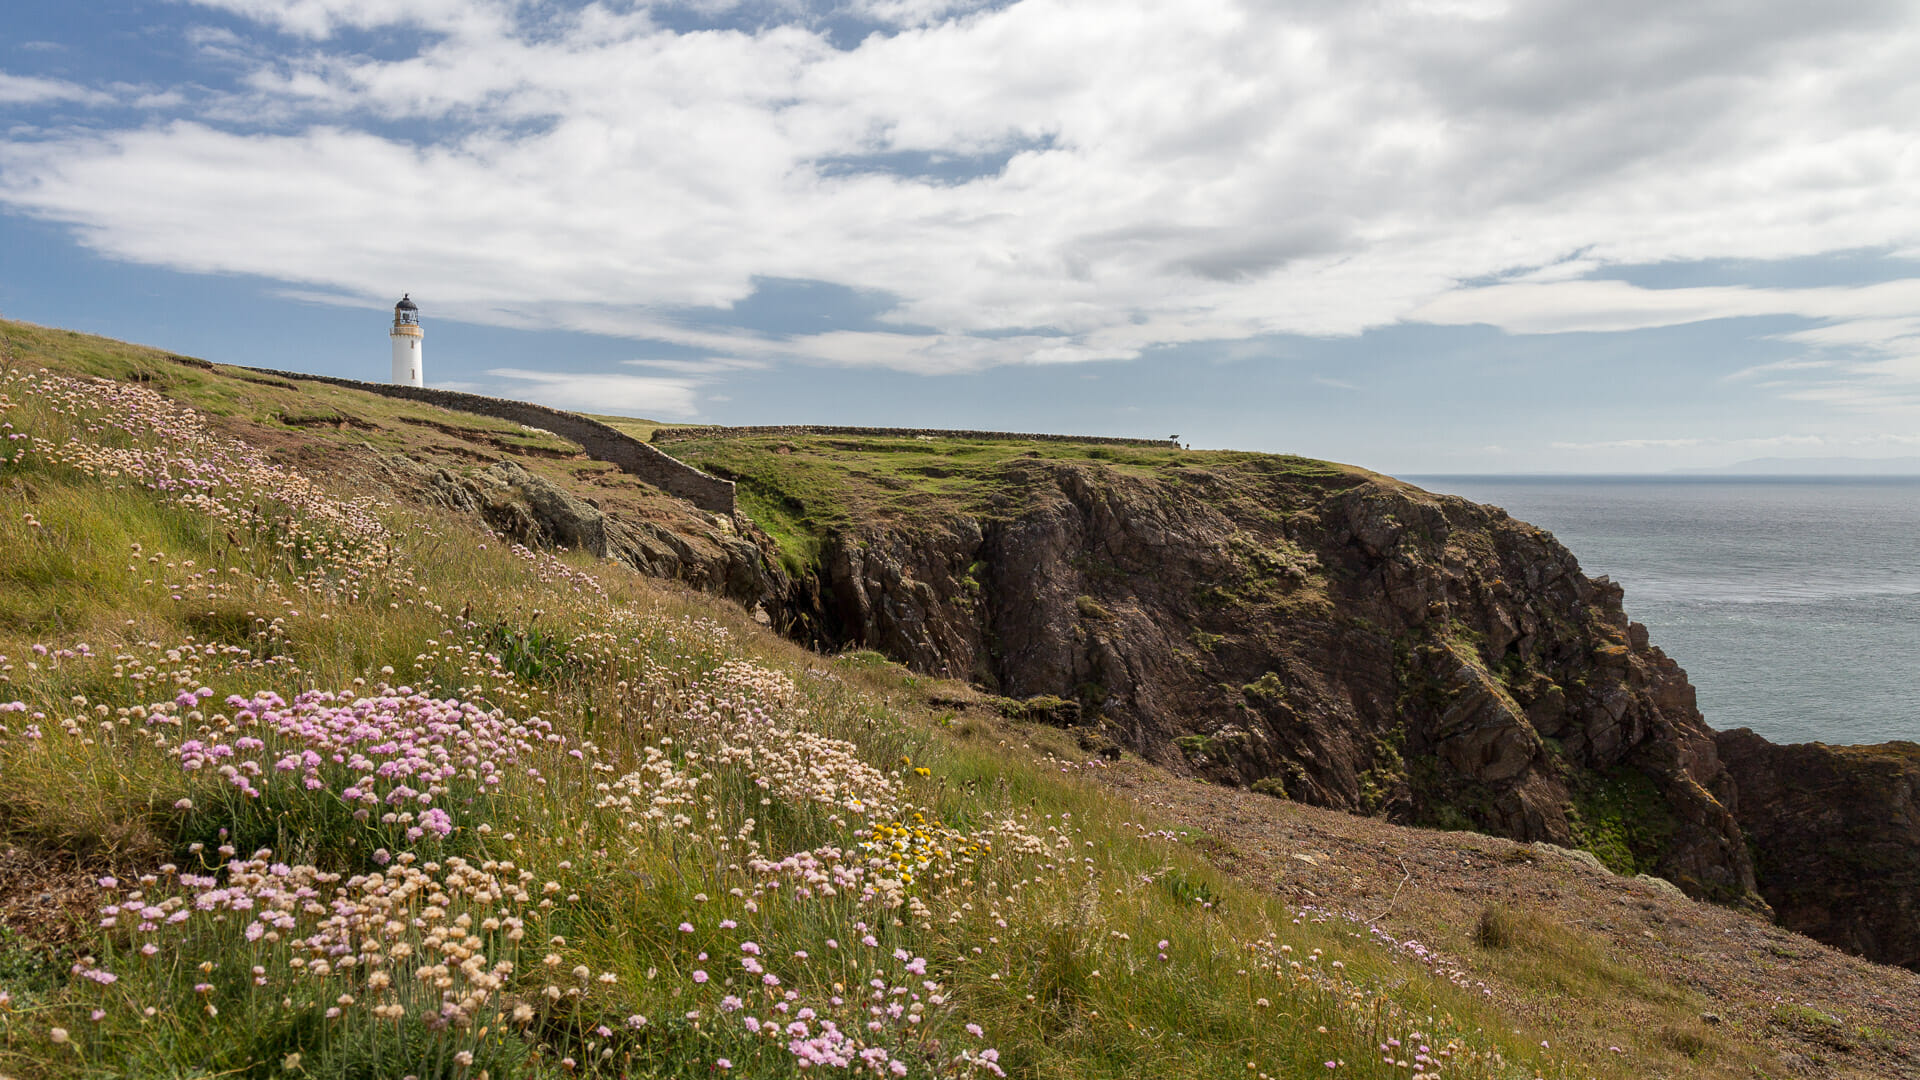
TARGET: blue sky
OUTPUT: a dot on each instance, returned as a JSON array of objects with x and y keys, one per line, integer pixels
[{"x": 1418, "y": 235}]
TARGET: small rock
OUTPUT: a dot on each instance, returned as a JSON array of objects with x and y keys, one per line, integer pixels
[{"x": 1660, "y": 885}]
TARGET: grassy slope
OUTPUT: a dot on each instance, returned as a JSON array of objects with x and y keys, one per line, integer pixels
[
  {"x": 343, "y": 433},
  {"x": 635, "y": 426},
  {"x": 801, "y": 488},
  {"x": 1049, "y": 940},
  {"x": 328, "y": 414}
]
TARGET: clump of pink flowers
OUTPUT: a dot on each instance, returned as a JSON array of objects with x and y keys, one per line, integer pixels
[{"x": 398, "y": 757}]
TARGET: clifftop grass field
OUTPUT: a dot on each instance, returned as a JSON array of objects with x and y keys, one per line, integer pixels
[
  {"x": 800, "y": 487},
  {"x": 362, "y": 792},
  {"x": 330, "y": 786}
]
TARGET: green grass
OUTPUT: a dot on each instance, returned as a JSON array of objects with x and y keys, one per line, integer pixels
[
  {"x": 1566, "y": 966},
  {"x": 631, "y": 425},
  {"x": 803, "y": 488},
  {"x": 1039, "y": 910},
  {"x": 1620, "y": 817},
  {"x": 320, "y": 413}
]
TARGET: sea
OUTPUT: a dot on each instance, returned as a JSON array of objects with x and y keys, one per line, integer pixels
[{"x": 1792, "y": 602}]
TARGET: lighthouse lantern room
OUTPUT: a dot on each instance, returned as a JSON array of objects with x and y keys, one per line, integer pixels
[{"x": 406, "y": 335}]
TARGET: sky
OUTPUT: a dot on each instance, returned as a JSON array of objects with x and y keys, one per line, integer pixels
[{"x": 1424, "y": 236}]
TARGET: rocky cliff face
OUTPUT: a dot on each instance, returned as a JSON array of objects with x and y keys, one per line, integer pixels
[
  {"x": 707, "y": 552},
  {"x": 1837, "y": 832},
  {"x": 1326, "y": 634}
]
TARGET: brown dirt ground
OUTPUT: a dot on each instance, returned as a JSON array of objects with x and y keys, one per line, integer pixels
[
  {"x": 48, "y": 902},
  {"x": 1757, "y": 999}
]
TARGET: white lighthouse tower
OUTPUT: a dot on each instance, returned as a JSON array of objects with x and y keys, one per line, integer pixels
[{"x": 406, "y": 335}]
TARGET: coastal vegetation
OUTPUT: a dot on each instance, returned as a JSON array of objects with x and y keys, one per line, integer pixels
[
  {"x": 308, "y": 775},
  {"x": 353, "y": 785},
  {"x": 802, "y": 488}
]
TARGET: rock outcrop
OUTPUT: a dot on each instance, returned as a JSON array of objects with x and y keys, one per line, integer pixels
[
  {"x": 1337, "y": 636},
  {"x": 1836, "y": 830},
  {"x": 714, "y": 557}
]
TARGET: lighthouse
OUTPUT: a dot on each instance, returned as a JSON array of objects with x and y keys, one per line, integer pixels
[{"x": 406, "y": 335}]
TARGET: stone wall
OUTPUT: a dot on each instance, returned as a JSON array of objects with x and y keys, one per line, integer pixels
[
  {"x": 602, "y": 443},
  {"x": 682, "y": 434}
]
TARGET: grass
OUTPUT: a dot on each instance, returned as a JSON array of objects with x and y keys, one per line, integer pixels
[
  {"x": 322, "y": 413},
  {"x": 674, "y": 785},
  {"x": 632, "y": 425},
  {"x": 1560, "y": 964},
  {"x": 1620, "y": 817},
  {"x": 804, "y": 488},
  {"x": 1551, "y": 957}
]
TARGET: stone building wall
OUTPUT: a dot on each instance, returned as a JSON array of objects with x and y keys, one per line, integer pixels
[{"x": 602, "y": 443}]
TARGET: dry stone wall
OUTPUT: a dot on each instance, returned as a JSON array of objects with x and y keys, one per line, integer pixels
[
  {"x": 602, "y": 443},
  {"x": 683, "y": 434}
]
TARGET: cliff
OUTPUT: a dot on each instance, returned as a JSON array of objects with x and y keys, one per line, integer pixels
[
  {"x": 1304, "y": 629},
  {"x": 1334, "y": 635},
  {"x": 1300, "y": 629},
  {"x": 1837, "y": 832}
]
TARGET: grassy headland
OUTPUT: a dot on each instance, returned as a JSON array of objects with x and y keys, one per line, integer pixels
[
  {"x": 363, "y": 791},
  {"x": 801, "y": 487},
  {"x": 337, "y": 786}
]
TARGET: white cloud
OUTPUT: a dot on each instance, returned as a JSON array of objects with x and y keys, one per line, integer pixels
[
  {"x": 1872, "y": 311},
  {"x": 1867, "y": 346},
  {"x": 654, "y": 397},
  {"x": 912, "y": 12},
  {"x": 28, "y": 90},
  {"x": 707, "y": 365},
  {"x": 321, "y": 19},
  {"x": 1779, "y": 366},
  {"x": 1208, "y": 171},
  {"x": 1631, "y": 444},
  {"x": 1877, "y": 441}
]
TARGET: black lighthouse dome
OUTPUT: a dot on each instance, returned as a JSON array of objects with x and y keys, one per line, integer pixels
[{"x": 406, "y": 303}]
